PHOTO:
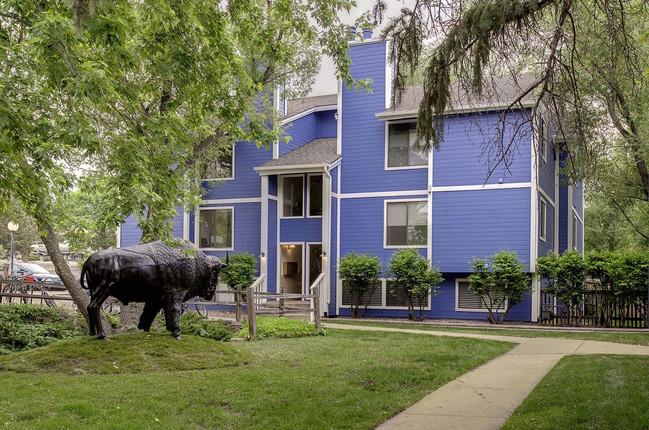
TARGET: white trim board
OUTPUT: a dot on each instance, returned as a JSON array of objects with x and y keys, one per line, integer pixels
[
  {"x": 485, "y": 187},
  {"x": 412, "y": 113},
  {"x": 546, "y": 197},
  {"x": 231, "y": 201},
  {"x": 308, "y": 112}
]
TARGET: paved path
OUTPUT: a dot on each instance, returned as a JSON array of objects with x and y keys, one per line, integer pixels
[{"x": 483, "y": 398}]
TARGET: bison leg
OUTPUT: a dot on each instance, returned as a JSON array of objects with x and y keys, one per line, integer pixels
[
  {"x": 149, "y": 313},
  {"x": 98, "y": 298},
  {"x": 172, "y": 314}
]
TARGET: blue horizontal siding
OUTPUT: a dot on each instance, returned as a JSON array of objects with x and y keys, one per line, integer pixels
[
  {"x": 548, "y": 245},
  {"x": 462, "y": 159},
  {"x": 302, "y": 130},
  {"x": 546, "y": 173},
  {"x": 130, "y": 232},
  {"x": 333, "y": 256},
  {"x": 469, "y": 224},
  {"x": 564, "y": 218},
  {"x": 326, "y": 123},
  {"x": 300, "y": 230},
  {"x": 334, "y": 179},
  {"x": 247, "y": 182},
  {"x": 272, "y": 185}
]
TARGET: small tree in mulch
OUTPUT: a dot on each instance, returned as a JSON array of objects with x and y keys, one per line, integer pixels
[
  {"x": 240, "y": 271},
  {"x": 501, "y": 283},
  {"x": 413, "y": 274},
  {"x": 566, "y": 277},
  {"x": 360, "y": 274}
]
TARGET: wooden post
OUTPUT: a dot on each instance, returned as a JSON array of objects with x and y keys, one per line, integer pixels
[
  {"x": 252, "y": 322},
  {"x": 316, "y": 306},
  {"x": 237, "y": 299},
  {"x": 5, "y": 275}
]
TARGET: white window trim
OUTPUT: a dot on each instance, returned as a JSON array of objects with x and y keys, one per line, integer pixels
[
  {"x": 308, "y": 194},
  {"x": 575, "y": 227},
  {"x": 384, "y": 295},
  {"x": 385, "y": 224},
  {"x": 197, "y": 230},
  {"x": 387, "y": 141},
  {"x": 307, "y": 267},
  {"x": 231, "y": 178},
  {"x": 279, "y": 263},
  {"x": 543, "y": 207},
  {"x": 280, "y": 196},
  {"x": 457, "y": 299}
]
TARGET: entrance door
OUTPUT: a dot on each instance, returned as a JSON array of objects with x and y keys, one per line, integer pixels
[
  {"x": 290, "y": 276},
  {"x": 315, "y": 263}
]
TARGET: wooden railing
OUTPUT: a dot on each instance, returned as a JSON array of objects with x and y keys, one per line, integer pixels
[{"x": 264, "y": 303}]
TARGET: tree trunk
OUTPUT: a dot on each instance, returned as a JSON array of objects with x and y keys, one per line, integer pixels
[{"x": 61, "y": 267}]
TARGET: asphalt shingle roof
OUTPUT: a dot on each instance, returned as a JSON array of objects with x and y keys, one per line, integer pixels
[
  {"x": 318, "y": 152},
  {"x": 297, "y": 106}
]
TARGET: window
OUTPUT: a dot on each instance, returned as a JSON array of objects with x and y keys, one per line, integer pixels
[
  {"x": 542, "y": 221},
  {"x": 293, "y": 196},
  {"x": 465, "y": 300},
  {"x": 375, "y": 299},
  {"x": 222, "y": 168},
  {"x": 543, "y": 138},
  {"x": 216, "y": 228},
  {"x": 575, "y": 226},
  {"x": 406, "y": 223},
  {"x": 401, "y": 147},
  {"x": 396, "y": 297},
  {"x": 314, "y": 203}
]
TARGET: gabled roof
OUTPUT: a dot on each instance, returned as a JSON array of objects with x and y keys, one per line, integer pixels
[
  {"x": 315, "y": 155},
  {"x": 298, "y": 106},
  {"x": 496, "y": 96}
]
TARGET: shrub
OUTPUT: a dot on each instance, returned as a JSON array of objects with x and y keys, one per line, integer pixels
[
  {"x": 360, "y": 274},
  {"x": 413, "y": 275},
  {"x": 280, "y": 327},
  {"x": 194, "y": 324},
  {"x": 566, "y": 277},
  {"x": 501, "y": 283},
  {"x": 240, "y": 271},
  {"x": 25, "y": 327}
]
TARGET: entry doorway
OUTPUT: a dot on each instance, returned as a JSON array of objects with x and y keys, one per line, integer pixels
[
  {"x": 291, "y": 268},
  {"x": 315, "y": 263}
]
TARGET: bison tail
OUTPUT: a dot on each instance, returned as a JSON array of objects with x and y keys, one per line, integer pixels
[{"x": 84, "y": 269}]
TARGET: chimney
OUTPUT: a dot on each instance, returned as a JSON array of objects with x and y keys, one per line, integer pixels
[{"x": 367, "y": 33}]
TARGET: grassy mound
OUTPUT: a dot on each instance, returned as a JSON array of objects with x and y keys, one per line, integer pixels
[
  {"x": 126, "y": 353},
  {"x": 280, "y": 327}
]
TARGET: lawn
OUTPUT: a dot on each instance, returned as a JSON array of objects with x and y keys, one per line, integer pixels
[
  {"x": 589, "y": 392},
  {"x": 345, "y": 379},
  {"x": 617, "y": 337}
]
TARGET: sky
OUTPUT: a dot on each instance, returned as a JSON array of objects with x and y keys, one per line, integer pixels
[{"x": 325, "y": 82}]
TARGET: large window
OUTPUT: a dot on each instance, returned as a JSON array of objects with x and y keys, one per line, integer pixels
[
  {"x": 315, "y": 196},
  {"x": 222, "y": 168},
  {"x": 542, "y": 218},
  {"x": 406, "y": 223},
  {"x": 401, "y": 147},
  {"x": 293, "y": 196},
  {"x": 216, "y": 228}
]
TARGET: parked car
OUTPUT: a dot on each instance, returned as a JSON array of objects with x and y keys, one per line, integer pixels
[{"x": 34, "y": 272}]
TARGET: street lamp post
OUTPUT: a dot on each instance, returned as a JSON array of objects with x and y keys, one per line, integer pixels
[{"x": 12, "y": 228}]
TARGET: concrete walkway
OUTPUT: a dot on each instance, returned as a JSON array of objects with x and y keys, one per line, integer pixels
[{"x": 485, "y": 397}]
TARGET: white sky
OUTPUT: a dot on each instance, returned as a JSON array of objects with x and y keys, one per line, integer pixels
[{"x": 325, "y": 82}]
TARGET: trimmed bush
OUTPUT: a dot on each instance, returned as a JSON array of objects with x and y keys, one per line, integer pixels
[
  {"x": 240, "y": 271},
  {"x": 280, "y": 327},
  {"x": 360, "y": 274},
  {"x": 500, "y": 281},
  {"x": 413, "y": 274},
  {"x": 25, "y": 327}
]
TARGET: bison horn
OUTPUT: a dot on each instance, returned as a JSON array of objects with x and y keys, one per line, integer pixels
[{"x": 227, "y": 259}]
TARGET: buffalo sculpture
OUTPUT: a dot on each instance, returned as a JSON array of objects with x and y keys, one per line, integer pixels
[{"x": 160, "y": 275}]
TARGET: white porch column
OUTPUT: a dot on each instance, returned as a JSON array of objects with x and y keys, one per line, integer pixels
[
  {"x": 325, "y": 296},
  {"x": 263, "y": 255}
]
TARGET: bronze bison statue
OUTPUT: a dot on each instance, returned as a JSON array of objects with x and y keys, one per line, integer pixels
[{"x": 160, "y": 275}]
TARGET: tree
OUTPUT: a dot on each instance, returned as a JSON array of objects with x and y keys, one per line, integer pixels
[
  {"x": 360, "y": 275},
  {"x": 566, "y": 276},
  {"x": 414, "y": 276},
  {"x": 501, "y": 283},
  {"x": 589, "y": 60},
  {"x": 240, "y": 271},
  {"x": 147, "y": 93}
]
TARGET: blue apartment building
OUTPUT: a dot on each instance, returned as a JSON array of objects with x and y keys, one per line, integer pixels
[{"x": 350, "y": 180}]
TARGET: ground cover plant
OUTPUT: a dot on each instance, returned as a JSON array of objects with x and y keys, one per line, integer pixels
[
  {"x": 280, "y": 327},
  {"x": 193, "y": 324},
  {"x": 634, "y": 338},
  {"x": 347, "y": 379},
  {"x": 24, "y": 327},
  {"x": 586, "y": 392}
]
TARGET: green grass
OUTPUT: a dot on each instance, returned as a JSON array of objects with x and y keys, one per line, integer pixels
[
  {"x": 280, "y": 327},
  {"x": 346, "y": 379},
  {"x": 589, "y": 392},
  {"x": 631, "y": 338}
]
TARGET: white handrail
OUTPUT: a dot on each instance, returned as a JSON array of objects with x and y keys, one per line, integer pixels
[
  {"x": 315, "y": 283},
  {"x": 257, "y": 286}
]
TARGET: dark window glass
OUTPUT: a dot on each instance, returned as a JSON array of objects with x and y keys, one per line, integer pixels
[
  {"x": 407, "y": 223},
  {"x": 315, "y": 195},
  {"x": 401, "y": 146},
  {"x": 375, "y": 299},
  {"x": 293, "y": 196},
  {"x": 215, "y": 228}
]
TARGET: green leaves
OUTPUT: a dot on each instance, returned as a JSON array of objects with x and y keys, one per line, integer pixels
[
  {"x": 501, "y": 282},
  {"x": 240, "y": 270},
  {"x": 359, "y": 274}
]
